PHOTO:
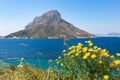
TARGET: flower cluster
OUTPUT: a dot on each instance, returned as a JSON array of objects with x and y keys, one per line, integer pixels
[{"x": 89, "y": 62}]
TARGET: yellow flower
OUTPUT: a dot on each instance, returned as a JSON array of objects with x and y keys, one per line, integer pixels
[
  {"x": 87, "y": 54},
  {"x": 90, "y": 44},
  {"x": 104, "y": 53},
  {"x": 100, "y": 62},
  {"x": 65, "y": 54},
  {"x": 73, "y": 51},
  {"x": 78, "y": 48},
  {"x": 111, "y": 64},
  {"x": 112, "y": 57},
  {"x": 104, "y": 50},
  {"x": 76, "y": 54},
  {"x": 99, "y": 49},
  {"x": 85, "y": 49},
  {"x": 95, "y": 47},
  {"x": 117, "y": 54},
  {"x": 84, "y": 57},
  {"x": 89, "y": 41},
  {"x": 61, "y": 64},
  {"x": 106, "y": 77},
  {"x": 117, "y": 62},
  {"x": 80, "y": 44},
  {"x": 93, "y": 56},
  {"x": 71, "y": 48},
  {"x": 96, "y": 51},
  {"x": 90, "y": 50},
  {"x": 69, "y": 53},
  {"x": 64, "y": 51}
]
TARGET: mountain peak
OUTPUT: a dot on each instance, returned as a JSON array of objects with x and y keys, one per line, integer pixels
[
  {"x": 50, "y": 24},
  {"x": 52, "y": 13},
  {"x": 51, "y": 16},
  {"x": 47, "y": 18}
]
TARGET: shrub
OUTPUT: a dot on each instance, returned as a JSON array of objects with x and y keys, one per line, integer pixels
[{"x": 87, "y": 63}]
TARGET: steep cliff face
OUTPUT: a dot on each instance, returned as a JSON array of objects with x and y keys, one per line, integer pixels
[
  {"x": 50, "y": 24},
  {"x": 51, "y": 17}
]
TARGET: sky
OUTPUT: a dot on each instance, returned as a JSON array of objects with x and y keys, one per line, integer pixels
[{"x": 93, "y": 16}]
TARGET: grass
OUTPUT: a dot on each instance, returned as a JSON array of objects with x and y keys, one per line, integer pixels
[
  {"x": 29, "y": 73},
  {"x": 22, "y": 73}
]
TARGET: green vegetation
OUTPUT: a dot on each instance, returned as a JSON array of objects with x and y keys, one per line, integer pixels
[
  {"x": 22, "y": 73},
  {"x": 76, "y": 63},
  {"x": 87, "y": 63}
]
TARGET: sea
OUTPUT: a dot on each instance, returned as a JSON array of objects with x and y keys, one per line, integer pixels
[{"x": 37, "y": 52}]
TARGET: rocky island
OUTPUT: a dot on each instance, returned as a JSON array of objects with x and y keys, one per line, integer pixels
[{"x": 50, "y": 25}]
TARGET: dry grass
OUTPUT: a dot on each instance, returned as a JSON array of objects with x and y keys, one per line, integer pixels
[{"x": 22, "y": 73}]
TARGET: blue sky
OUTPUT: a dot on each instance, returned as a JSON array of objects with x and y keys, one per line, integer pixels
[{"x": 94, "y": 16}]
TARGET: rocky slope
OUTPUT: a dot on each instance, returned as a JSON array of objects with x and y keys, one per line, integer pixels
[{"x": 50, "y": 25}]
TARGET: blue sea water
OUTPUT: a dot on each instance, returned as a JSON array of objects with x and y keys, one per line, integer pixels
[{"x": 37, "y": 52}]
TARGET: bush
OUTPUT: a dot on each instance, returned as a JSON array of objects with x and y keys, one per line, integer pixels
[{"x": 87, "y": 63}]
